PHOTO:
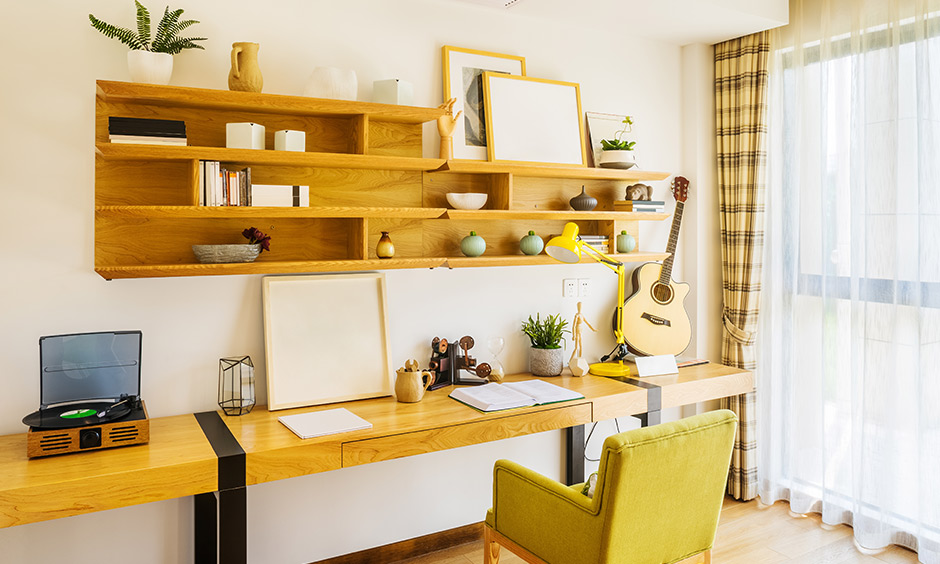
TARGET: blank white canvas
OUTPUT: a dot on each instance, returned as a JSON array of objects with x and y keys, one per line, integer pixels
[
  {"x": 326, "y": 339},
  {"x": 534, "y": 121}
]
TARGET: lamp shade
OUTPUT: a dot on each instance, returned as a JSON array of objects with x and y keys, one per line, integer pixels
[{"x": 565, "y": 247}]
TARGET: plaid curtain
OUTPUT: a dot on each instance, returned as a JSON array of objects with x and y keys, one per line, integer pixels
[{"x": 741, "y": 116}]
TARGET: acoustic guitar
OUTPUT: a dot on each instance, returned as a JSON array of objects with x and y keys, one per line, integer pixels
[{"x": 654, "y": 317}]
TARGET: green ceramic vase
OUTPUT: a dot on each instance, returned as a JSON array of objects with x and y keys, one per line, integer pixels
[
  {"x": 531, "y": 244},
  {"x": 625, "y": 242},
  {"x": 473, "y": 245}
]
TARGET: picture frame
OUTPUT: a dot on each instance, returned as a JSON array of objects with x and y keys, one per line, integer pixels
[
  {"x": 463, "y": 75},
  {"x": 325, "y": 339},
  {"x": 533, "y": 120},
  {"x": 603, "y": 126}
]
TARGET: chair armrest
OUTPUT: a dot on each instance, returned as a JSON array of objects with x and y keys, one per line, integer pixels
[{"x": 549, "y": 519}]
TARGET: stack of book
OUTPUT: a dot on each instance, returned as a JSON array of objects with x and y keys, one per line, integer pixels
[
  {"x": 656, "y": 206},
  {"x": 597, "y": 242},
  {"x": 222, "y": 185},
  {"x": 147, "y": 131}
]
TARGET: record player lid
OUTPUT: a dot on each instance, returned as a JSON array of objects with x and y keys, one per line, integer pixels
[{"x": 89, "y": 366}]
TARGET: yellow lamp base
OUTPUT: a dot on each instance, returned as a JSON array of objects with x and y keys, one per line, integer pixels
[{"x": 610, "y": 369}]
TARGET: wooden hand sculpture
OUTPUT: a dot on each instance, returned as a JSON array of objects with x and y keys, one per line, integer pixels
[{"x": 445, "y": 127}]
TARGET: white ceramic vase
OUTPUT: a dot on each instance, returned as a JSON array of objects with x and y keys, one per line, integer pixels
[
  {"x": 150, "y": 67},
  {"x": 333, "y": 83}
]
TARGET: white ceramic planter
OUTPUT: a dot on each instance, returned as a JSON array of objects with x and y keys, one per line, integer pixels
[
  {"x": 149, "y": 67},
  {"x": 616, "y": 159},
  {"x": 546, "y": 362}
]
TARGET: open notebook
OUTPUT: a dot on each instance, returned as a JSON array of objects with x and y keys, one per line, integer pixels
[{"x": 496, "y": 397}]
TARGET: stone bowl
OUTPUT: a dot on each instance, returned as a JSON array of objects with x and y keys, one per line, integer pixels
[{"x": 226, "y": 253}]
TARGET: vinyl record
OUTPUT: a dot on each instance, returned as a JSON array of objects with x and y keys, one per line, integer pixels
[{"x": 76, "y": 415}]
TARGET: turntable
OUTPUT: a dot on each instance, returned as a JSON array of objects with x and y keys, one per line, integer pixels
[{"x": 89, "y": 394}]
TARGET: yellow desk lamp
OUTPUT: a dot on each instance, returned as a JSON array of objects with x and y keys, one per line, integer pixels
[{"x": 567, "y": 248}]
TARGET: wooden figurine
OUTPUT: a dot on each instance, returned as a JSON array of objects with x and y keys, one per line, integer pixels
[
  {"x": 578, "y": 366},
  {"x": 445, "y": 127}
]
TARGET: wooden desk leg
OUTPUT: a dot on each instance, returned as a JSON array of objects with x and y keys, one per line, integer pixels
[
  {"x": 205, "y": 524},
  {"x": 574, "y": 455}
]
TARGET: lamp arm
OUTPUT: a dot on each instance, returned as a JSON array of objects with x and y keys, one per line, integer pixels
[
  {"x": 621, "y": 271},
  {"x": 599, "y": 256}
]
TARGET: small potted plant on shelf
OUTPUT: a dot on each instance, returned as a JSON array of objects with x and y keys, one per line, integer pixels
[
  {"x": 546, "y": 357},
  {"x": 151, "y": 59},
  {"x": 258, "y": 242},
  {"x": 618, "y": 152}
]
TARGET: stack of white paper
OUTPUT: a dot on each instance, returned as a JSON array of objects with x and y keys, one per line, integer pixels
[{"x": 319, "y": 423}]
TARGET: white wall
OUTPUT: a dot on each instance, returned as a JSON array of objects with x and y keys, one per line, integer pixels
[{"x": 48, "y": 284}]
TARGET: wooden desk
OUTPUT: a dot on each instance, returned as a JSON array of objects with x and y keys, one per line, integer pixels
[{"x": 180, "y": 461}]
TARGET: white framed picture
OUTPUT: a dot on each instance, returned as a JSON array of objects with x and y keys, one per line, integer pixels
[
  {"x": 463, "y": 80},
  {"x": 325, "y": 338},
  {"x": 533, "y": 120}
]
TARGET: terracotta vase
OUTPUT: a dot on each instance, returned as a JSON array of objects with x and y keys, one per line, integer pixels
[{"x": 245, "y": 74}]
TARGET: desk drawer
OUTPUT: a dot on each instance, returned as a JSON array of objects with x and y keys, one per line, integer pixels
[{"x": 443, "y": 438}]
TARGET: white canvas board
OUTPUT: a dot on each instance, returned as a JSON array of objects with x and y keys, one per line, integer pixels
[
  {"x": 325, "y": 339},
  {"x": 533, "y": 120}
]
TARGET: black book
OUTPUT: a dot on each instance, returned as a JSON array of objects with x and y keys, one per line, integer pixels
[{"x": 146, "y": 127}]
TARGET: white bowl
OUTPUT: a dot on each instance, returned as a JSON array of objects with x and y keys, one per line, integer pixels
[{"x": 466, "y": 201}]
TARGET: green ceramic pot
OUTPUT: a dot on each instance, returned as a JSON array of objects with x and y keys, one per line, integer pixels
[
  {"x": 531, "y": 244},
  {"x": 473, "y": 245},
  {"x": 625, "y": 242}
]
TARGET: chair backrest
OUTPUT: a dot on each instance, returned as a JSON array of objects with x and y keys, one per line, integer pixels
[{"x": 660, "y": 488}]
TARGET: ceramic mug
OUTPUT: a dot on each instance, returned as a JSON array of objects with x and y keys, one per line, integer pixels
[{"x": 410, "y": 385}]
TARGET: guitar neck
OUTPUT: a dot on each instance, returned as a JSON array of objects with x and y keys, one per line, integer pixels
[{"x": 666, "y": 275}]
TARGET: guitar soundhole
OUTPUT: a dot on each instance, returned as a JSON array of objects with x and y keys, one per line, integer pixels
[{"x": 662, "y": 293}]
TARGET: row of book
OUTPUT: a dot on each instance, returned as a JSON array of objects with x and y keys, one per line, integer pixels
[
  {"x": 146, "y": 131},
  {"x": 220, "y": 185},
  {"x": 597, "y": 242},
  {"x": 653, "y": 206}
]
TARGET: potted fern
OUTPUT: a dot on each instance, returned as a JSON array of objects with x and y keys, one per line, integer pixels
[
  {"x": 546, "y": 357},
  {"x": 618, "y": 152},
  {"x": 151, "y": 58}
]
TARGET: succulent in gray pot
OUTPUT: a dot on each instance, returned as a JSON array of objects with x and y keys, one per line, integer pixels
[{"x": 546, "y": 357}]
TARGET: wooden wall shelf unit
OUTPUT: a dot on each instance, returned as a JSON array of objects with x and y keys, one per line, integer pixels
[{"x": 364, "y": 165}]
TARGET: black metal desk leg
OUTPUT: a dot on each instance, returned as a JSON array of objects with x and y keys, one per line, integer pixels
[
  {"x": 233, "y": 526},
  {"x": 650, "y": 418},
  {"x": 574, "y": 454},
  {"x": 205, "y": 513}
]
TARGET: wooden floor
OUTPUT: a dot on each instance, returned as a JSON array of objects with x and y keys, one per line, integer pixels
[{"x": 747, "y": 534}]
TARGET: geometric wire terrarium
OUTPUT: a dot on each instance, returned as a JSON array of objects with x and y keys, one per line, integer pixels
[{"x": 236, "y": 385}]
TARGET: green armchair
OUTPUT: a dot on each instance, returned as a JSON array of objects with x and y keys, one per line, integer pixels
[{"x": 657, "y": 500}]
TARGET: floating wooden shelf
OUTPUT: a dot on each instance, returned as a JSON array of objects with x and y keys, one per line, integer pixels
[
  {"x": 366, "y": 175},
  {"x": 265, "y": 267},
  {"x": 551, "y": 171},
  {"x": 178, "y": 96},
  {"x": 118, "y": 152},
  {"x": 232, "y": 212},
  {"x": 524, "y": 260},
  {"x": 506, "y": 215}
]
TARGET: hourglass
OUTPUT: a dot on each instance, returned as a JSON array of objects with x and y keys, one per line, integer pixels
[{"x": 495, "y": 346}]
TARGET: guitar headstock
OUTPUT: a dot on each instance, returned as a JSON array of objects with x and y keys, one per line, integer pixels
[{"x": 680, "y": 188}]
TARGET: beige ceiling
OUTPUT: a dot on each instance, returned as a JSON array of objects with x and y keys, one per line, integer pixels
[{"x": 680, "y": 22}]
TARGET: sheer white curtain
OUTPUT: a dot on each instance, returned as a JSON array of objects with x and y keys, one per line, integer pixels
[{"x": 849, "y": 343}]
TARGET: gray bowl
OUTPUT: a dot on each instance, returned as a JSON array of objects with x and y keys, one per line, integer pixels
[{"x": 226, "y": 253}]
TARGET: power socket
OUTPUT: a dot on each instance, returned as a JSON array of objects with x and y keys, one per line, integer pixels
[
  {"x": 569, "y": 288},
  {"x": 584, "y": 287}
]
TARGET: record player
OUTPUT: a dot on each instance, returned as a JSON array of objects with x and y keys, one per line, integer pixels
[{"x": 89, "y": 394}]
